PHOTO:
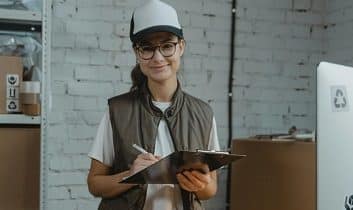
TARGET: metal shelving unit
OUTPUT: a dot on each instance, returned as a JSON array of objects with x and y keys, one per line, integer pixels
[
  {"x": 20, "y": 15},
  {"x": 20, "y": 20},
  {"x": 46, "y": 55},
  {"x": 13, "y": 20},
  {"x": 19, "y": 119}
]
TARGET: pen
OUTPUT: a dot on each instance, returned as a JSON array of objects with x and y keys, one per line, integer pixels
[{"x": 140, "y": 149}]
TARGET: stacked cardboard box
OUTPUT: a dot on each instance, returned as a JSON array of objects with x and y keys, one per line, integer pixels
[
  {"x": 19, "y": 173},
  {"x": 275, "y": 175}
]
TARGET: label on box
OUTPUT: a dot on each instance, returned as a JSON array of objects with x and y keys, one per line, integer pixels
[
  {"x": 12, "y": 105},
  {"x": 12, "y": 92},
  {"x": 13, "y": 80}
]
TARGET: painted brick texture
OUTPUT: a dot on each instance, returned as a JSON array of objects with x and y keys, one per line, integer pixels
[
  {"x": 277, "y": 48},
  {"x": 339, "y": 31}
]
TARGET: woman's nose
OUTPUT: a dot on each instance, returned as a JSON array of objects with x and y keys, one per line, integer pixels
[{"x": 157, "y": 55}]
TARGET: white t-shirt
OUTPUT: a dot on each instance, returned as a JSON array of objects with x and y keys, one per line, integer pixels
[{"x": 159, "y": 196}]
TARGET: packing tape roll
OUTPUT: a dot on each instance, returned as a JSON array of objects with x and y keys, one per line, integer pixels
[
  {"x": 31, "y": 109},
  {"x": 30, "y": 87},
  {"x": 29, "y": 98}
]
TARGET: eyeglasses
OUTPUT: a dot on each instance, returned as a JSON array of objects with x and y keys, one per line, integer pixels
[{"x": 167, "y": 49}]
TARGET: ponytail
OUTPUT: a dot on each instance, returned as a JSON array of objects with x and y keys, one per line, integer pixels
[{"x": 137, "y": 77}]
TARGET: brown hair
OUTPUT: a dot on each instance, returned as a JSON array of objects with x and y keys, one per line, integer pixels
[{"x": 137, "y": 77}]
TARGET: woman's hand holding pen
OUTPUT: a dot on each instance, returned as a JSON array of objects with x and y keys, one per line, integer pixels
[
  {"x": 142, "y": 161},
  {"x": 194, "y": 181}
]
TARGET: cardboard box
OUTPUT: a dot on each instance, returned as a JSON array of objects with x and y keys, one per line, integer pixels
[
  {"x": 11, "y": 71},
  {"x": 275, "y": 175},
  {"x": 20, "y": 168}
]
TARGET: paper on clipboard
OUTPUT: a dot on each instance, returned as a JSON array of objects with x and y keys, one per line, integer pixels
[{"x": 164, "y": 171}]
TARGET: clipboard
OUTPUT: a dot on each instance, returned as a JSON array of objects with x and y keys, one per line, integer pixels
[{"x": 164, "y": 171}]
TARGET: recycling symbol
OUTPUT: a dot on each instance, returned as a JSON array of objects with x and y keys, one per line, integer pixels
[
  {"x": 12, "y": 105},
  {"x": 348, "y": 204},
  {"x": 340, "y": 100}
]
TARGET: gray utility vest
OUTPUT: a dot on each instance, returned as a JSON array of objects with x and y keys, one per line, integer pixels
[{"x": 135, "y": 119}]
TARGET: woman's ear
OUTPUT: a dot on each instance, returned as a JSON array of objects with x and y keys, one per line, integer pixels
[
  {"x": 135, "y": 51},
  {"x": 182, "y": 46},
  {"x": 136, "y": 55}
]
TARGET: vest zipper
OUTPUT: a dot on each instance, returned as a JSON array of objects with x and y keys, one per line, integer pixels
[{"x": 171, "y": 133}]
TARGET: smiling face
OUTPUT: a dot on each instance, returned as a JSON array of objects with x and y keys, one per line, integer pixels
[{"x": 160, "y": 68}]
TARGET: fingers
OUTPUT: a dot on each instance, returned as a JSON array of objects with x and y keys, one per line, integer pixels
[
  {"x": 147, "y": 156},
  {"x": 182, "y": 182},
  {"x": 142, "y": 161},
  {"x": 193, "y": 181},
  {"x": 206, "y": 178}
]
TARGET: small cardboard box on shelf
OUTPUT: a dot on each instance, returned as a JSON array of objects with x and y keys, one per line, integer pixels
[{"x": 11, "y": 71}]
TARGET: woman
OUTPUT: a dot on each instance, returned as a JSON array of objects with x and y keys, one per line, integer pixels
[{"x": 157, "y": 115}]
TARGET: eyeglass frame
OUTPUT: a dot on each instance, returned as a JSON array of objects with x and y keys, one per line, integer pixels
[{"x": 155, "y": 47}]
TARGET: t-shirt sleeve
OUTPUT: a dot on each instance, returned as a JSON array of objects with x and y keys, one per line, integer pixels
[
  {"x": 214, "y": 143},
  {"x": 102, "y": 148}
]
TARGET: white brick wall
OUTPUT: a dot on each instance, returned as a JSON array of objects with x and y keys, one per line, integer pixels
[
  {"x": 339, "y": 32},
  {"x": 278, "y": 44},
  {"x": 275, "y": 52}
]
